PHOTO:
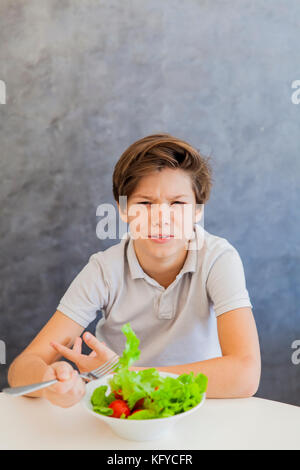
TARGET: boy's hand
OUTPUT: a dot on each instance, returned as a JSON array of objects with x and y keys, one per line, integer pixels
[
  {"x": 68, "y": 390},
  {"x": 85, "y": 363}
]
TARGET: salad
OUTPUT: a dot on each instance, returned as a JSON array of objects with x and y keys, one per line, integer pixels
[{"x": 145, "y": 394}]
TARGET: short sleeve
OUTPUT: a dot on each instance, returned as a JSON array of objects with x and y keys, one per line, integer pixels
[
  {"x": 87, "y": 293},
  {"x": 226, "y": 285}
]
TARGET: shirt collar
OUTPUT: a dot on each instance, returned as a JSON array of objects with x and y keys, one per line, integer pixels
[
  {"x": 134, "y": 266},
  {"x": 190, "y": 264}
]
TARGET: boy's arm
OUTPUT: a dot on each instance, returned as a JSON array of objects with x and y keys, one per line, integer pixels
[
  {"x": 237, "y": 373},
  {"x": 31, "y": 365}
]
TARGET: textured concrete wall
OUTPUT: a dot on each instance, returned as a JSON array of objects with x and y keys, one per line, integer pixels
[{"x": 86, "y": 78}]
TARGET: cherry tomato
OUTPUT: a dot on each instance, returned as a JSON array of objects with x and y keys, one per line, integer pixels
[{"x": 119, "y": 407}]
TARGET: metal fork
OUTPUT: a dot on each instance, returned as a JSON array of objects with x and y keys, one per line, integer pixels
[{"x": 101, "y": 371}]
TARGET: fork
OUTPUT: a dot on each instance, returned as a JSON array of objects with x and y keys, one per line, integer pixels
[{"x": 98, "y": 373}]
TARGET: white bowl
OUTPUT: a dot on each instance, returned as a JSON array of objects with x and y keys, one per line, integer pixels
[{"x": 140, "y": 429}]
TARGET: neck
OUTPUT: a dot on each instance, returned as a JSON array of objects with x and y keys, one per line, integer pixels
[{"x": 163, "y": 270}]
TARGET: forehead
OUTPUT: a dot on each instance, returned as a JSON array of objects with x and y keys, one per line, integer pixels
[{"x": 167, "y": 182}]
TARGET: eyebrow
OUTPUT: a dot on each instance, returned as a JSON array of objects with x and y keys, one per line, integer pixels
[{"x": 148, "y": 197}]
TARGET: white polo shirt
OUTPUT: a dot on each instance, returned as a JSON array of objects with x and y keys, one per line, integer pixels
[{"x": 175, "y": 325}]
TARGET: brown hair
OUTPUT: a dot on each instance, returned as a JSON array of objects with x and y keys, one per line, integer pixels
[{"x": 155, "y": 152}]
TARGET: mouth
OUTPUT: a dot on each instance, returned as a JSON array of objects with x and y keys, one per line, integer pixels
[{"x": 161, "y": 238}]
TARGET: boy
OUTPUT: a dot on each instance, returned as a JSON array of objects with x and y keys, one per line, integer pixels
[{"x": 181, "y": 288}]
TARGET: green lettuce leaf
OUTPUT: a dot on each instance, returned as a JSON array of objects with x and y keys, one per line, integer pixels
[
  {"x": 100, "y": 400},
  {"x": 131, "y": 351}
]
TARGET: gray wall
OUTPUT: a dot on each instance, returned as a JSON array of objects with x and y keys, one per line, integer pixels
[{"x": 87, "y": 78}]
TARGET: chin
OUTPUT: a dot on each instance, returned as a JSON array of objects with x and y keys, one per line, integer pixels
[{"x": 162, "y": 250}]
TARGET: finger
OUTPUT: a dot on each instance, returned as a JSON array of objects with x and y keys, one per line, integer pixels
[
  {"x": 93, "y": 354},
  {"x": 94, "y": 343},
  {"x": 65, "y": 386},
  {"x": 77, "y": 345},
  {"x": 79, "y": 387},
  {"x": 63, "y": 370},
  {"x": 66, "y": 352}
]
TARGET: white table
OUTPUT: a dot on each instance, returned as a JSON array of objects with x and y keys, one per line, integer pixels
[{"x": 248, "y": 423}]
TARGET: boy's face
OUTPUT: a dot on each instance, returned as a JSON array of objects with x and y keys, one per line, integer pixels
[{"x": 162, "y": 204}]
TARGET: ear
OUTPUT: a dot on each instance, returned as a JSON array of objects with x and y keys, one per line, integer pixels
[
  {"x": 123, "y": 215},
  {"x": 199, "y": 212}
]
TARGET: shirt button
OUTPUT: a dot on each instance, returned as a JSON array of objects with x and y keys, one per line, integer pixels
[{"x": 165, "y": 315}]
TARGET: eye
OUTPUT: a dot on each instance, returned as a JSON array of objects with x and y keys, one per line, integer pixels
[{"x": 175, "y": 202}]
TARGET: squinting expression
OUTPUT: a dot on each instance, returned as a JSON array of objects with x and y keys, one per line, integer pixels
[{"x": 162, "y": 209}]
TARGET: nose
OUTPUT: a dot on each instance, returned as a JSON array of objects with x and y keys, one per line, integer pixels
[{"x": 160, "y": 214}]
